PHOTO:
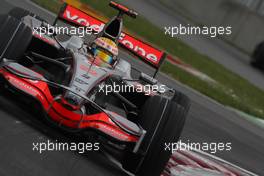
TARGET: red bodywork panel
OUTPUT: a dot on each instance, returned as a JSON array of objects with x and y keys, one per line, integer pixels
[{"x": 58, "y": 113}]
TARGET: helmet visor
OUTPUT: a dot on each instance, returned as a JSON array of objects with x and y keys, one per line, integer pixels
[{"x": 104, "y": 56}]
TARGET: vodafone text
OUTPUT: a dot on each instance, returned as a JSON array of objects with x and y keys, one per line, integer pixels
[{"x": 131, "y": 43}]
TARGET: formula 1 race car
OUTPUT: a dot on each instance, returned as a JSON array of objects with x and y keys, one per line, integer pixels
[{"x": 69, "y": 78}]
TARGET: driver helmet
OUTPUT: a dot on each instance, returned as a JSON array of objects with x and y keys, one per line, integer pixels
[{"x": 105, "y": 50}]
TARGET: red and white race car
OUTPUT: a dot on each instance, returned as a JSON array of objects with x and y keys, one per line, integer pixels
[{"x": 69, "y": 78}]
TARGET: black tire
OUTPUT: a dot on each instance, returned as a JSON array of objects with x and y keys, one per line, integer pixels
[
  {"x": 1, "y": 86},
  {"x": 258, "y": 56},
  {"x": 182, "y": 100},
  {"x": 163, "y": 120},
  {"x": 15, "y": 38},
  {"x": 20, "y": 13}
]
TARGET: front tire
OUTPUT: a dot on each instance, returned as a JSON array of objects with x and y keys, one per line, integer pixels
[
  {"x": 15, "y": 38},
  {"x": 20, "y": 13},
  {"x": 163, "y": 120}
]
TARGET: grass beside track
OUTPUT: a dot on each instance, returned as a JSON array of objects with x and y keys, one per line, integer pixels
[{"x": 232, "y": 90}]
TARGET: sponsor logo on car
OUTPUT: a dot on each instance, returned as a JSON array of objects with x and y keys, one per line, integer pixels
[
  {"x": 26, "y": 87},
  {"x": 147, "y": 52}
]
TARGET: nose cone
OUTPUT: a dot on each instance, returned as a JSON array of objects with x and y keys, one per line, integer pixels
[{"x": 84, "y": 79}]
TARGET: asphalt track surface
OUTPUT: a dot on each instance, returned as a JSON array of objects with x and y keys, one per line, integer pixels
[{"x": 207, "y": 122}]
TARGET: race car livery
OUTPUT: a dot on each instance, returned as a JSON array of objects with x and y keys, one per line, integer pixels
[{"x": 69, "y": 77}]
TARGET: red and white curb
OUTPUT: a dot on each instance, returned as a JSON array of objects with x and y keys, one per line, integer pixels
[
  {"x": 198, "y": 163},
  {"x": 195, "y": 163},
  {"x": 189, "y": 69}
]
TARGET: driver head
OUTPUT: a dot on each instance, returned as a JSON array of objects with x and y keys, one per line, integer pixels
[{"x": 105, "y": 50}]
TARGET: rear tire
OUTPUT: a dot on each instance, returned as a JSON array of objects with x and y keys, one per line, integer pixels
[
  {"x": 163, "y": 120},
  {"x": 182, "y": 100},
  {"x": 15, "y": 38}
]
